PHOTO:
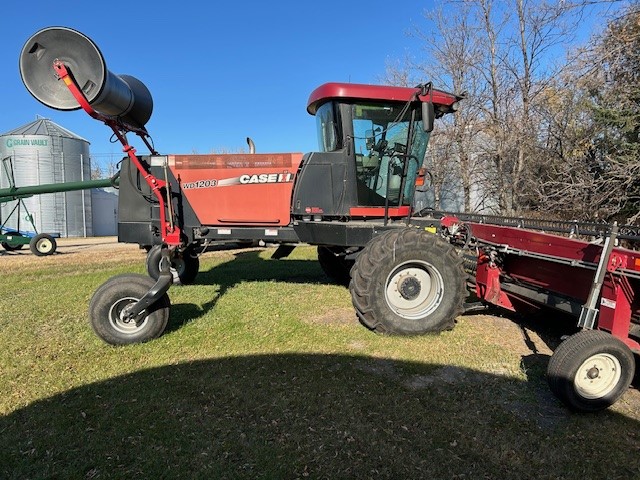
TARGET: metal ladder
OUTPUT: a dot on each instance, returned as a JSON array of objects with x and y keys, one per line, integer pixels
[{"x": 59, "y": 223}]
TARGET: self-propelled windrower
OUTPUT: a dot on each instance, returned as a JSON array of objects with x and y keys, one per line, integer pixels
[{"x": 353, "y": 199}]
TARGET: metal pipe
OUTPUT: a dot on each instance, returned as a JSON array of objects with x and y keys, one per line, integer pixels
[
  {"x": 15, "y": 193},
  {"x": 252, "y": 146}
]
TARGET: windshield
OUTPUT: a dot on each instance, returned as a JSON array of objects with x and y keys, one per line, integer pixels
[{"x": 381, "y": 138}]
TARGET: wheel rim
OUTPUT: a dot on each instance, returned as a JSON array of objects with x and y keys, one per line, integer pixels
[
  {"x": 117, "y": 320},
  {"x": 598, "y": 376},
  {"x": 44, "y": 245},
  {"x": 178, "y": 264},
  {"x": 414, "y": 289}
]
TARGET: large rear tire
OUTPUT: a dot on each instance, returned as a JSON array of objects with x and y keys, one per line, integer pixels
[
  {"x": 590, "y": 370},
  {"x": 43, "y": 244},
  {"x": 408, "y": 282},
  {"x": 184, "y": 265},
  {"x": 334, "y": 265},
  {"x": 109, "y": 301}
]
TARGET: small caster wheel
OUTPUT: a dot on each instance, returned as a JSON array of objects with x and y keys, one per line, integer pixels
[
  {"x": 184, "y": 265},
  {"x": 108, "y": 307}
]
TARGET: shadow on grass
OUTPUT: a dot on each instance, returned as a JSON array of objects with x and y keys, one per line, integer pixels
[
  {"x": 247, "y": 266},
  {"x": 250, "y": 266},
  {"x": 315, "y": 416}
]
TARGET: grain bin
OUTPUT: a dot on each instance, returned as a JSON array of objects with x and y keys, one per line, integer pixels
[
  {"x": 44, "y": 152},
  {"x": 104, "y": 202}
]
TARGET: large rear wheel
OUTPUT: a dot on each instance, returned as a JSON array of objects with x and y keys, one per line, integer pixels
[
  {"x": 408, "y": 282},
  {"x": 590, "y": 370},
  {"x": 108, "y": 307}
]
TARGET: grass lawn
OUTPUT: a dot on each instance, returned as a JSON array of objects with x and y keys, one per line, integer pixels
[{"x": 264, "y": 373}]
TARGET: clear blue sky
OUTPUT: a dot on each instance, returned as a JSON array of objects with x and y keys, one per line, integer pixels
[{"x": 218, "y": 71}]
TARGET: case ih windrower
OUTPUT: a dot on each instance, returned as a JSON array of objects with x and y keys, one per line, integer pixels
[{"x": 353, "y": 199}]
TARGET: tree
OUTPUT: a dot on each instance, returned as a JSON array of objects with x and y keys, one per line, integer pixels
[
  {"x": 616, "y": 101},
  {"x": 501, "y": 52},
  {"x": 590, "y": 121}
]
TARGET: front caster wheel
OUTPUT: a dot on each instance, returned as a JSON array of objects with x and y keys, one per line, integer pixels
[
  {"x": 590, "y": 370},
  {"x": 184, "y": 265},
  {"x": 42, "y": 245},
  {"x": 408, "y": 282},
  {"x": 108, "y": 304}
]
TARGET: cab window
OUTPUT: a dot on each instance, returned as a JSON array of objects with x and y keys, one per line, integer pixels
[
  {"x": 327, "y": 128},
  {"x": 382, "y": 147}
]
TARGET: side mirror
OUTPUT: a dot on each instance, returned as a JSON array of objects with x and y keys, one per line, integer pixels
[{"x": 428, "y": 116}]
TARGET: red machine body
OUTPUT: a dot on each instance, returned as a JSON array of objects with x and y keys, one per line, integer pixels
[{"x": 238, "y": 189}]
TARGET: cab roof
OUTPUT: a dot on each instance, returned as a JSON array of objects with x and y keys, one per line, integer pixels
[{"x": 358, "y": 91}]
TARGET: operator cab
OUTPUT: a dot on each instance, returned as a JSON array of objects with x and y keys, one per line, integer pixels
[{"x": 372, "y": 143}]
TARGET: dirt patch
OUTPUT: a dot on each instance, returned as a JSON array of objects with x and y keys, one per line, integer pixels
[
  {"x": 83, "y": 250},
  {"x": 523, "y": 338},
  {"x": 340, "y": 316}
]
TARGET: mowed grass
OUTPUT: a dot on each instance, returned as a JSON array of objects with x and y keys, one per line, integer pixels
[{"x": 264, "y": 372}]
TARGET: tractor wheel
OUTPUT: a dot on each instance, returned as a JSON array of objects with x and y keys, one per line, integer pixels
[
  {"x": 10, "y": 246},
  {"x": 43, "y": 244},
  {"x": 184, "y": 265},
  {"x": 336, "y": 267},
  {"x": 590, "y": 370},
  {"x": 109, "y": 301},
  {"x": 408, "y": 282}
]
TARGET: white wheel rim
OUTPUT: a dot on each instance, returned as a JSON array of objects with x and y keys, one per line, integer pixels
[
  {"x": 177, "y": 267},
  {"x": 45, "y": 245},
  {"x": 598, "y": 376},
  {"x": 414, "y": 289},
  {"x": 117, "y": 320}
]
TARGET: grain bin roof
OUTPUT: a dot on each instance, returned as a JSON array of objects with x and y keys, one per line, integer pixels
[{"x": 44, "y": 126}]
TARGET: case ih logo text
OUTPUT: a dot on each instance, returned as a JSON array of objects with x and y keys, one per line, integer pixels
[
  {"x": 266, "y": 178},
  {"x": 257, "y": 178}
]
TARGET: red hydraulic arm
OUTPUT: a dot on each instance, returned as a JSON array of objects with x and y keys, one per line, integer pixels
[{"x": 169, "y": 231}]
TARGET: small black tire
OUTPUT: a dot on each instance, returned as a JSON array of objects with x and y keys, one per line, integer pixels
[
  {"x": 109, "y": 300},
  {"x": 335, "y": 266},
  {"x": 590, "y": 371},
  {"x": 185, "y": 265},
  {"x": 9, "y": 246},
  {"x": 42, "y": 245},
  {"x": 408, "y": 282}
]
